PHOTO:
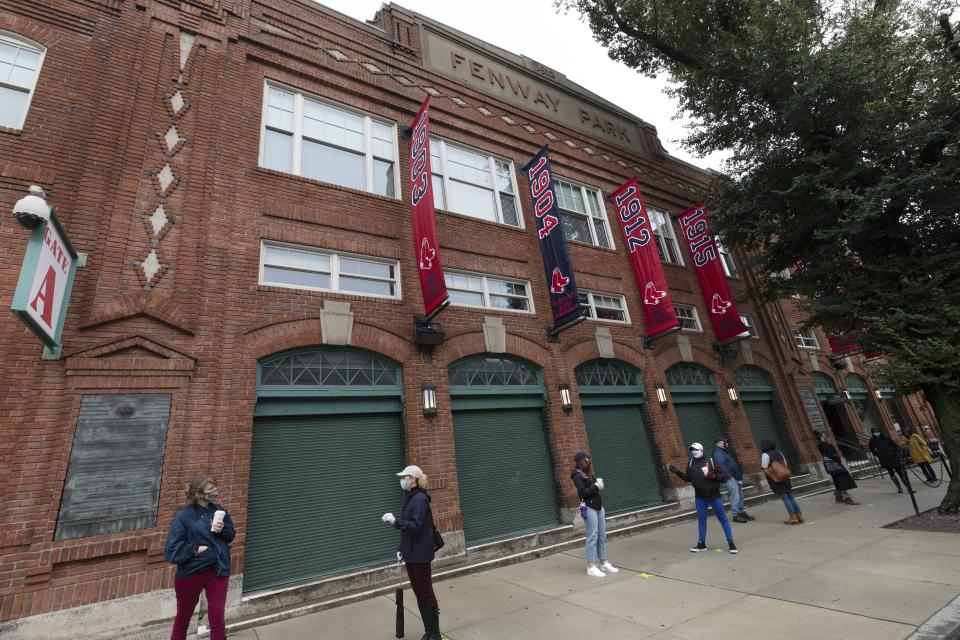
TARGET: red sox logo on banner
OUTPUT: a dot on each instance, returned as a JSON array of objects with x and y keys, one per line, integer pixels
[
  {"x": 652, "y": 295},
  {"x": 706, "y": 259},
  {"x": 427, "y": 254},
  {"x": 558, "y": 282}
]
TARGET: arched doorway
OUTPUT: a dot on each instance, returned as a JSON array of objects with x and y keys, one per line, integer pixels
[
  {"x": 504, "y": 467},
  {"x": 326, "y": 445},
  {"x": 695, "y": 399},
  {"x": 860, "y": 397},
  {"x": 612, "y": 398},
  {"x": 755, "y": 387}
]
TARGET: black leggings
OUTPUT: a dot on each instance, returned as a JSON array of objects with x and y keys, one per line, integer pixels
[
  {"x": 900, "y": 471},
  {"x": 421, "y": 581},
  {"x": 927, "y": 471}
]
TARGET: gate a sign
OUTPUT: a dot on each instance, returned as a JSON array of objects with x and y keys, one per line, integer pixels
[{"x": 46, "y": 279}]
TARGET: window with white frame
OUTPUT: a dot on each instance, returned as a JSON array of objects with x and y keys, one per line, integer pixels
[
  {"x": 604, "y": 306},
  {"x": 687, "y": 315},
  {"x": 805, "y": 339},
  {"x": 474, "y": 183},
  {"x": 582, "y": 216},
  {"x": 298, "y": 267},
  {"x": 666, "y": 240},
  {"x": 20, "y": 63},
  {"x": 308, "y": 137},
  {"x": 726, "y": 259},
  {"x": 751, "y": 328},
  {"x": 488, "y": 292}
]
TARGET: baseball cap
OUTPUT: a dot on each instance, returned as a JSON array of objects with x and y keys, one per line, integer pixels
[
  {"x": 580, "y": 455},
  {"x": 412, "y": 470},
  {"x": 696, "y": 446}
]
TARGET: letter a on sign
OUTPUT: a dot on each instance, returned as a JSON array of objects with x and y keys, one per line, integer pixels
[{"x": 46, "y": 279}]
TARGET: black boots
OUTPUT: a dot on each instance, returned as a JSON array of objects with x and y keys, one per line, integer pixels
[{"x": 431, "y": 622}]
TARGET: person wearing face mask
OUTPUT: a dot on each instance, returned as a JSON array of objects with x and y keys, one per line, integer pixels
[
  {"x": 199, "y": 544},
  {"x": 888, "y": 455},
  {"x": 706, "y": 479},
  {"x": 589, "y": 487},
  {"x": 417, "y": 547},
  {"x": 723, "y": 458}
]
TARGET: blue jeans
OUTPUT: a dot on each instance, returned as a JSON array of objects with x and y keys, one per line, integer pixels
[
  {"x": 596, "y": 535},
  {"x": 717, "y": 504},
  {"x": 790, "y": 503},
  {"x": 736, "y": 496}
]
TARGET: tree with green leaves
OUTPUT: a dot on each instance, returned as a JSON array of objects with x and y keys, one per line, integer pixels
[{"x": 843, "y": 119}]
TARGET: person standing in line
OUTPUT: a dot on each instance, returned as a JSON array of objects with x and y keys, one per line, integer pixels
[
  {"x": 702, "y": 474},
  {"x": 723, "y": 458},
  {"x": 199, "y": 544},
  {"x": 783, "y": 488},
  {"x": 589, "y": 487},
  {"x": 842, "y": 480},
  {"x": 888, "y": 455},
  {"x": 417, "y": 546},
  {"x": 920, "y": 455}
]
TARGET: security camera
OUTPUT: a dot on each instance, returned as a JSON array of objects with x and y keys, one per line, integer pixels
[{"x": 32, "y": 210}]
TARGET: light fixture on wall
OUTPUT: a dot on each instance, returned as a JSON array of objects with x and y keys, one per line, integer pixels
[
  {"x": 565, "y": 400},
  {"x": 732, "y": 392},
  {"x": 661, "y": 395},
  {"x": 878, "y": 394},
  {"x": 429, "y": 400},
  {"x": 846, "y": 394}
]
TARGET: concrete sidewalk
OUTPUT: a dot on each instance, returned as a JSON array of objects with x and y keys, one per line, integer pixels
[{"x": 840, "y": 575}]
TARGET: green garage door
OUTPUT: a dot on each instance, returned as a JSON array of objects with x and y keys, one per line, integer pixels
[
  {"x": 505, "y": 473},
  {"x": 506, "y": 479},
  {"x": 699, "y": 423},
  {"x": 325, "y": 451},
  {"x": 694, "y": 394},
  {"x": 612, "y": 397},
  {"x": 622, "y": 455},
  {"x": 755, "y": 387},
  {"x": 318, "y": 486}
]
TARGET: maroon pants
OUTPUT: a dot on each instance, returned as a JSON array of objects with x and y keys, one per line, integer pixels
[
  {"x": 421, "y": 581},
  {"x": 188, "y": 593}
]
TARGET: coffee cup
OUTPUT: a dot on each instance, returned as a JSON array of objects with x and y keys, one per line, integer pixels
[{"x": 218, "y": 517}]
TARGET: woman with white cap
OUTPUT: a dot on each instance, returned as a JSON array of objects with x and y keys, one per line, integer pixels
[
  {"x": 706, "y": 480},
  {"x": 417, "y": 546}
]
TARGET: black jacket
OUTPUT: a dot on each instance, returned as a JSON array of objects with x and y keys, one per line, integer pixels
[
  {"x": 416, "y": 528},
  {"x": 189, "y": 531},
  {"x": 588, "y": 490},
  {"x": 886, "y": 450},
  {"x": 703, "y": 487}
]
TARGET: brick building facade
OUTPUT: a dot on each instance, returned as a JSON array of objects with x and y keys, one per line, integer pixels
[{"x": 180, "y": 143}]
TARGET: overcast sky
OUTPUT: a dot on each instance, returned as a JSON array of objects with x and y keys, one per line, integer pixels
[{"x": 569, "y": 49}]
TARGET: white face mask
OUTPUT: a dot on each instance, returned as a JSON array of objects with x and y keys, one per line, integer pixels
[
  {"x": 697, "y": 454},
  {"x": 403, "y": 483}
]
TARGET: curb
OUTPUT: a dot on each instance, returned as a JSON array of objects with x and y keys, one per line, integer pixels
[{"x": 943, "y": 625}]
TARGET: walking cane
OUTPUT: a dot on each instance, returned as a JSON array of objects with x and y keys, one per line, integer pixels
[{"x": 398, "y": 596}]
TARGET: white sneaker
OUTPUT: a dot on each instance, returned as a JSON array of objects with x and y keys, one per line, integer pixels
[
  {"x": 606, "y": 566},
  {"x": 596, "y": 573}
]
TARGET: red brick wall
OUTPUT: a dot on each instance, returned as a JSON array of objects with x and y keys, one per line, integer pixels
[{"x": 91, "y": 140}]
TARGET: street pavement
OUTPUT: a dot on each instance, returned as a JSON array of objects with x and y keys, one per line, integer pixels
[{"x": 839, "y": 575}]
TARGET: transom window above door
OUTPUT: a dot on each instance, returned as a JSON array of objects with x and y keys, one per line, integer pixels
[
  {"x": 313, "y": 138},
  {"x": 474, "y": 183}
]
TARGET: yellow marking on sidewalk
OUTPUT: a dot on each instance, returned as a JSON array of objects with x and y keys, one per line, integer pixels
[{"x": 645, "y": 575}]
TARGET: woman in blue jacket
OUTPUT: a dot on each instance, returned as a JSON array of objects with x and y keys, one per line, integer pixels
[
  {"x": 200, "y": 547},
  {"x": 417, "y": 546}
]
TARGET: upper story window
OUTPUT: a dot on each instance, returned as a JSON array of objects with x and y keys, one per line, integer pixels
[
  {"x": 488, "y": 292},
  {"x": 751, "y": 328},
  {"x": 805, "y": 339},
  {"x": 666, "y": 240},
  {"x": 581, "y": 214},
  {"x": 726, "y": 259},
  {"x": 299, "y": 267},
  {"x": 687, "y": 315},
  {"x": 19, "y": 68},
  {"x": 604, "y": 306},
  {"x": 474, "y": 184},
  {"x": 315, "y": 139}
]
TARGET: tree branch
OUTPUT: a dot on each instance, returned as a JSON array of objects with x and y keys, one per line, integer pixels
[
  {"x": 669, "y": 51},
  {"x": 953, "y": 45}
]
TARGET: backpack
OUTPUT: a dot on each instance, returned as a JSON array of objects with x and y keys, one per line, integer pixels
[{"x": 777, "y": 470}]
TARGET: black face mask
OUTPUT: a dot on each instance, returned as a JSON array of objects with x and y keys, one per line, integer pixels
[{"x": 213, "y": 495}]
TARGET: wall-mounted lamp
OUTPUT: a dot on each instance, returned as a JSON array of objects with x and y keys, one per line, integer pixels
[
  {"x": 847, "y": 395},
  {"x": 565, "y": 400},
  {"x": 661, "y": 395},
  {"x": 732, "y": 392},
  {"x": 429, "y": 400},
  {"x": 878, "y": 394}
]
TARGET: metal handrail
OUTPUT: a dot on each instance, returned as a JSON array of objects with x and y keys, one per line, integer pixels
[{"x": 858, "y": 458}]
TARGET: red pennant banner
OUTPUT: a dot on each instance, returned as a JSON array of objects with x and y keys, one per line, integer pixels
[
  {"x": 706, "y": 262},
  {"x": 425, "y": 246},
  {"x": 658, "y": 312}
]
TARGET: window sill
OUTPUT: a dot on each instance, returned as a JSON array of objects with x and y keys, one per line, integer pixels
[
  {"x": 620, "y": 323},
  {"x": 592, "y": 246},
  {"x": 11, "y": 131},
  {"x": 321, "y": 183},
  {"x": 673, "y": 264},
  {"x": 464, "y": 216},
  {"x": 328, "y": 294},
  {"x": 512, "y": 312}
]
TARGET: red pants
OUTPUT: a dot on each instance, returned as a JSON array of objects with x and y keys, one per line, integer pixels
[
  {"x": 188, "y": 593},
  {"x": 421, "y": 581}
]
